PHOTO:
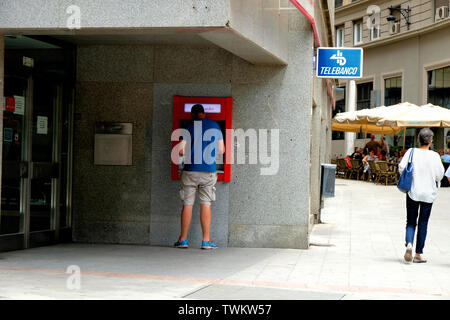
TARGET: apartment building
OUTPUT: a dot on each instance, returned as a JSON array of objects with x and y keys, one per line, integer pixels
[{"x": 406, "y": 58}]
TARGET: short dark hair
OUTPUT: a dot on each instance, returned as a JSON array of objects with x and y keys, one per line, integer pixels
[
  {"x": 425, "y": 136},
  {"x": 196, "y": 110}
]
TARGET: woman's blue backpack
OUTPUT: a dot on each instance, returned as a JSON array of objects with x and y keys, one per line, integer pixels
[{"x": 405, "y": 182}]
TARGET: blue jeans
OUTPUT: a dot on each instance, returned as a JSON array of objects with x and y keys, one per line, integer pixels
[{"x": 412, "y": 210}]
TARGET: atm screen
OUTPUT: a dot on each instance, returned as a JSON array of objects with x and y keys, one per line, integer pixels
[{"x": 219, "y": 157}]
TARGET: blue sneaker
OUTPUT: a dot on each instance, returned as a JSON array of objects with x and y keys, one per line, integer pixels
[
  {"x": 183, "y": 244},
  {"x": 208, "y": 245}
]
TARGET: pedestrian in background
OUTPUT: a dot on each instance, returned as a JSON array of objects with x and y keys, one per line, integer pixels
[
  {"x": 384, "y": 145},
  {"x": 372, "y": 145},
  {"x": 427, "y": 172},
  {"x": 446, "y": 157}
]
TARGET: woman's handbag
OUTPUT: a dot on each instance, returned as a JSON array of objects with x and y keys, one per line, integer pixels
[{"x": 404, "y": 184}]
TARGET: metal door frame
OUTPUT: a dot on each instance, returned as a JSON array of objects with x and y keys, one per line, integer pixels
[
  {"x": 25, "y": 198},
  {"x": 37, "y": 238}
]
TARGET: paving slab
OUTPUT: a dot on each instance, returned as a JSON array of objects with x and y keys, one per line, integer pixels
[{"x": 230, "y": 292}]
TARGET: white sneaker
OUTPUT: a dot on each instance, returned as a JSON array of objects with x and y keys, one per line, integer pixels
[{"x": 408, "y": 254}]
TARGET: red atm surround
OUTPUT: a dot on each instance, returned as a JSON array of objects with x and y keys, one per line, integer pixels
[{"x": 223, "y": 116}]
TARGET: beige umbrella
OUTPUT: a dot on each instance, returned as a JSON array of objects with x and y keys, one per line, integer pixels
[
  {"x": 395, "y": 110},
  {"x": 425, "y": 116},
  {"x": 365, "y": 120},
  {"x": 364, "y": 127}
]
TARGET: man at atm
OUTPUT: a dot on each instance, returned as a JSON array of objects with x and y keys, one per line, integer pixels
[{"x": 199, "y": 174}]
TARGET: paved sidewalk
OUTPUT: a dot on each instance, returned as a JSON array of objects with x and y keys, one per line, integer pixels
[{"x": 357, "y": 253}]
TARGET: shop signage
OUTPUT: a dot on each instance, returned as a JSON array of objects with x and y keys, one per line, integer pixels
[{"x": 339, "y": 63}]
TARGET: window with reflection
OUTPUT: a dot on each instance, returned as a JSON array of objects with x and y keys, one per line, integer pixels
[
  {"x": 339, "y": 95},
  {"x": 363, "y": 91},
  {"x": 392, "y": 91},
  {"x": 340, "y": 36},
  {"x": 439, "y": 87}
]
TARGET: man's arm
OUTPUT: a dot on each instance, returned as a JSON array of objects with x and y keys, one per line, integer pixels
[
  {"x": 181, "y": 147},
  {"x": 220, "y": 143},
  {"x": 221, "y": 147}
]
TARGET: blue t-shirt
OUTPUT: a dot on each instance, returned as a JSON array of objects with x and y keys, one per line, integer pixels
[
  {"x": 446, "y": 158},
  {"x": 205, "y": 135}
]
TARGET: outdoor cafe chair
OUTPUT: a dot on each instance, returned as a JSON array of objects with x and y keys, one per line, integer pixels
[
  {"x": 341, "y": 168},
  {"x": 384, "y": 172},
  {"x": 374, "y": 171},
  {"x": 357, "y": 168}
]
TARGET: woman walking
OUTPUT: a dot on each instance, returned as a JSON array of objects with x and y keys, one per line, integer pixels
[{"x": 427, "y": 172}]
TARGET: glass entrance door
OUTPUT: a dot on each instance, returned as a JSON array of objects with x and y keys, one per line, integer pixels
[
  {"x": 31, "y": 173},
  {"x": 37, "y": 138},
  {"x": 14, "y": 162},
  {"x": 44, "y": 155}
]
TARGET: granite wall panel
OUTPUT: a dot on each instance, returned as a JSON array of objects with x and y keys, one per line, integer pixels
[
  {"x": 111, "y": 204},
  {"x": 274, "y": 210}
]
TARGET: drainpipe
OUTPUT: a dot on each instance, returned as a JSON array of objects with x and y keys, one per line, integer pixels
[{"x": 311, "y": 20}]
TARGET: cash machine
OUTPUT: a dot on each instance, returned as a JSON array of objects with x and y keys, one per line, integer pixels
[{"x": 217, "y": 109}]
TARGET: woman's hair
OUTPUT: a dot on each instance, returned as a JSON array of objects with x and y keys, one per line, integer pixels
[{"x": 425, "y": 136}]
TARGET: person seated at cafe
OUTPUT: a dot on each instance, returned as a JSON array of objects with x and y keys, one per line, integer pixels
[
  {"x": 446, "y": 157},
  {"x": 347, "y": 160},
  {"x": 358, "y": 154},
  {"x": 383, "y": 156},
  {"x": 370, "y": 157},
  {"x": 394, "y": 158},
  {"x": 377, "y": 153},
  {"x": 402, "y": 153}
]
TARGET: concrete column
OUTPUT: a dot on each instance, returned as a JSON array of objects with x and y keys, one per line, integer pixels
[
  {"x": 351, "y": 106},
  {"x": 2, "y": 74}
]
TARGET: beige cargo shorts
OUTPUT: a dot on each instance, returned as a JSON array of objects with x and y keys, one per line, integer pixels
[{"x": 203, "y": 182}]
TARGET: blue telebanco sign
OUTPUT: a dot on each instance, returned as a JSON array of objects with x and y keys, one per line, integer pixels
[{"x": 339, "y": 63}]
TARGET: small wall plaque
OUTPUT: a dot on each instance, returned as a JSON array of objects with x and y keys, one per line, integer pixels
[{"x": 113, "y": 144}]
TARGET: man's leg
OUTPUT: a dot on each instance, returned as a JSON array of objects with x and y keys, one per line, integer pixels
[
  {"x": 207, "y": 195},
  {"x": 187, "y": 195},
  {"x": 205, "y": 220},
  {"x": 186, "y": 217}
]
